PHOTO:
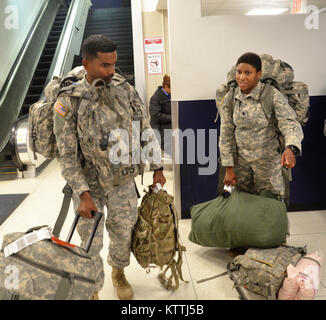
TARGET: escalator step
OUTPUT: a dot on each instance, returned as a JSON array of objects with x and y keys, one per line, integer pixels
[
  {"x": 41, "y": 73},
  {"x": 58, "y": 23},
  {"x": 121, "y": 25},
  {"x": 57, "y": 28},
  {"x": 123, "y": 62},
  {"x": 38, "y": 81},
  {"x": 55, "y": 33},
  {"x": 31, "y": 99},
  {"x": 53, "y": 38},
  {"x": 50, "y": 45},
  {"x": 44, "y": 65},
  {"x": 49, "y": 51},
  {"x": 35, "y": 89},
  {"x": 127, "y": 69},
  {"x": 46, "y": 57},
  {"x": 25, "y": 109}
]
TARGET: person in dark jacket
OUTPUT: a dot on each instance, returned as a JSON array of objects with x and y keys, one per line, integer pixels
[{"x": 160, "y": 112}]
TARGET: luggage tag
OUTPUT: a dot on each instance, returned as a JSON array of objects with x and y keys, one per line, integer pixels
[
  {"x": 157, "y": 188},
  {"x": 27, "y": 240}
]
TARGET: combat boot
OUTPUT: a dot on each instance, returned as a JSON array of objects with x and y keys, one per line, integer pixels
[
  {"x": 95, "y": 296},
  {"x": 124, "y": 290}
]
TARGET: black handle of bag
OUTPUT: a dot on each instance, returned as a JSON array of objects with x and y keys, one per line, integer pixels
[{"x": 97, "y": 216}]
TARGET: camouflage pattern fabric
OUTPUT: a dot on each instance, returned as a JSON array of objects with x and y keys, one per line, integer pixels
[
  {"x": 155, "y": 237},
  {"x": 263, "y": 270},
  {"x": 255, "y": 138},
  {"x": 259, "y": 175},
  {"x": 298, "y": 97},
  {"x": 253, "y": 133},
  {"x": 86, "y": 158},
  {"x": 40, "y": 120},
  {"x": 113, "y": 108},
  {"x": 46, "y": 271},
  {"x": 121, "y": 203}
]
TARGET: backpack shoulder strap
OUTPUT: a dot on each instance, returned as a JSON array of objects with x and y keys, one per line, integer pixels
[
  {"x": 81, "y": 95},
  {"x": 266, "y": 100}
]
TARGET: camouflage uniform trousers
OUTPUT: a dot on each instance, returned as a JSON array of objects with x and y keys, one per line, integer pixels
[
  {"x": 122, "y": 215},
  {"x": 262, "y": 174}
]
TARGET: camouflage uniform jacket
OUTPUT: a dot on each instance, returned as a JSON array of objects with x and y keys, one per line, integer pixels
[
  {"x": 249, "y": 128},
  {"x": 82, "y": 124}
]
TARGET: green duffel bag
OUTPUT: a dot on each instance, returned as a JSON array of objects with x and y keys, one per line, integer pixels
[{"x": 242, "y": 220}]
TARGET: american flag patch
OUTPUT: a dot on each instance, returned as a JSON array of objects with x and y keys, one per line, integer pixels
[{"x": 61, "y": 109}]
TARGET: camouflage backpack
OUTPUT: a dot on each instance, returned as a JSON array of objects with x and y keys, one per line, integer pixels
[
  {"x": 278, "y": 74},
  {"x": 261, "y": 271},
  {"x": 155, "y": 239},
  {"x": 40, "y": 121}
]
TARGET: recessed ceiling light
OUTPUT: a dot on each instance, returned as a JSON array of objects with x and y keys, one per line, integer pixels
[{"x": 262, "y": 12}]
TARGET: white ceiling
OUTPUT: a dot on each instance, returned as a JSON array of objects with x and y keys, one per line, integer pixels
[{"x": 241, "y": 7}]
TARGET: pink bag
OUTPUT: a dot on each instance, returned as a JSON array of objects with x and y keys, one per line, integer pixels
[{"x": 302, "y": 281}]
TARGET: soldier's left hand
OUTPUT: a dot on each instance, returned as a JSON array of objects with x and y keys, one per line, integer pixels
[
  {"x": 158, "y": 177},
  {"x": 288, "y": 159}
]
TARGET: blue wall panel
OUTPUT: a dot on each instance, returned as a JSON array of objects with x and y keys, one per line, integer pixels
[{"x": 308, "y": 191}]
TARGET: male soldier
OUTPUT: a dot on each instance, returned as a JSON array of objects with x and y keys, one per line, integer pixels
[
  {"x": 89, "y": 116},
  {"x": 258, "y": 159}
]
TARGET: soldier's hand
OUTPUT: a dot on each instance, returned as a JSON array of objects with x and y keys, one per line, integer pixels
[
  {"x": 288, "y": 159},
  {"x": 158, "y": 177},
  {"x": 87, "y": 205},
  {"x": 230, "y": 178}
]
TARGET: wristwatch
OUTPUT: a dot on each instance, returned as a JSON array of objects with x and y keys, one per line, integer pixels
[{"x": 294, "y": 149}]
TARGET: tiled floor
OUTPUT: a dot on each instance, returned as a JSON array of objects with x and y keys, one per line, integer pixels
[{"x": 44, "y": 202}]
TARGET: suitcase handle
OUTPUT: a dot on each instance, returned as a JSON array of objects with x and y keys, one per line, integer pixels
[{"x": 98, "y": 216}]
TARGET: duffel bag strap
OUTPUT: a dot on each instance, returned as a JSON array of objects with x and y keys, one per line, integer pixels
[
  {"x": 67, "y": 191},
  {"x": 237, "y": 285},
  {"x": 63, "y": 288}
]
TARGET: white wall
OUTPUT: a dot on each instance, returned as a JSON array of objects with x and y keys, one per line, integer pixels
[
  {"x": 149, "y": 5},
  {"x": 138, "y": 49},
  {"x": 203, "y": 49}
]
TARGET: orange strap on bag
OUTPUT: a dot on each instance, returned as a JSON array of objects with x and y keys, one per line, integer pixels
[{"x": 62, "y": 243}]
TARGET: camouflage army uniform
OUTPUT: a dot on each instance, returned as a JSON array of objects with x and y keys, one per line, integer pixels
[
  {"x": 102, "y": 110},
  {"x": 258, "y": 159}
]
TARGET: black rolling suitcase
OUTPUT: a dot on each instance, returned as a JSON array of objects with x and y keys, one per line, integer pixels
[{"x": 35, "y": 265}]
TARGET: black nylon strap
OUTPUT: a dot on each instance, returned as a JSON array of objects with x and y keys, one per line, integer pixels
[{"x": 67, "y": 191}]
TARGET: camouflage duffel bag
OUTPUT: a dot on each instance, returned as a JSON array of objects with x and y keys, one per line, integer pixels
[{"x": 37, "y": 266}]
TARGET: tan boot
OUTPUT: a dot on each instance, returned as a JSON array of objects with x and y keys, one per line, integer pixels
[
  {"x": 120, "y": 282},
  {"x": 95, "y": 296}
]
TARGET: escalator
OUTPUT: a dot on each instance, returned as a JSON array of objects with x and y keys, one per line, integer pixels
[
  {"x": 41, "y": 73},
  {"x": 114, "y": 23},
  {"x": 61, "y": 44},
  {"x": 48, "y": 50},
  {"x": 9, "y": 159}
]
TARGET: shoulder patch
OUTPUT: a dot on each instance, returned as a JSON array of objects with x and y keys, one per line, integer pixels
[{"x": 61, "y": 109}]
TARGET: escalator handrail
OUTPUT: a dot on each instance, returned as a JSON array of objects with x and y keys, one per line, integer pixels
[{"x": 59, "y": 48}]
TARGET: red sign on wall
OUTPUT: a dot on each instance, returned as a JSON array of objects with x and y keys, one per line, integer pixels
[{"x": 154, "y": 45}]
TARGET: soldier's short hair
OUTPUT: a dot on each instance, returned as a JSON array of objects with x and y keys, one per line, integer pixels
[
  {"x": 97, "y": 43},
  {"x": 251, "y": 58}
]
